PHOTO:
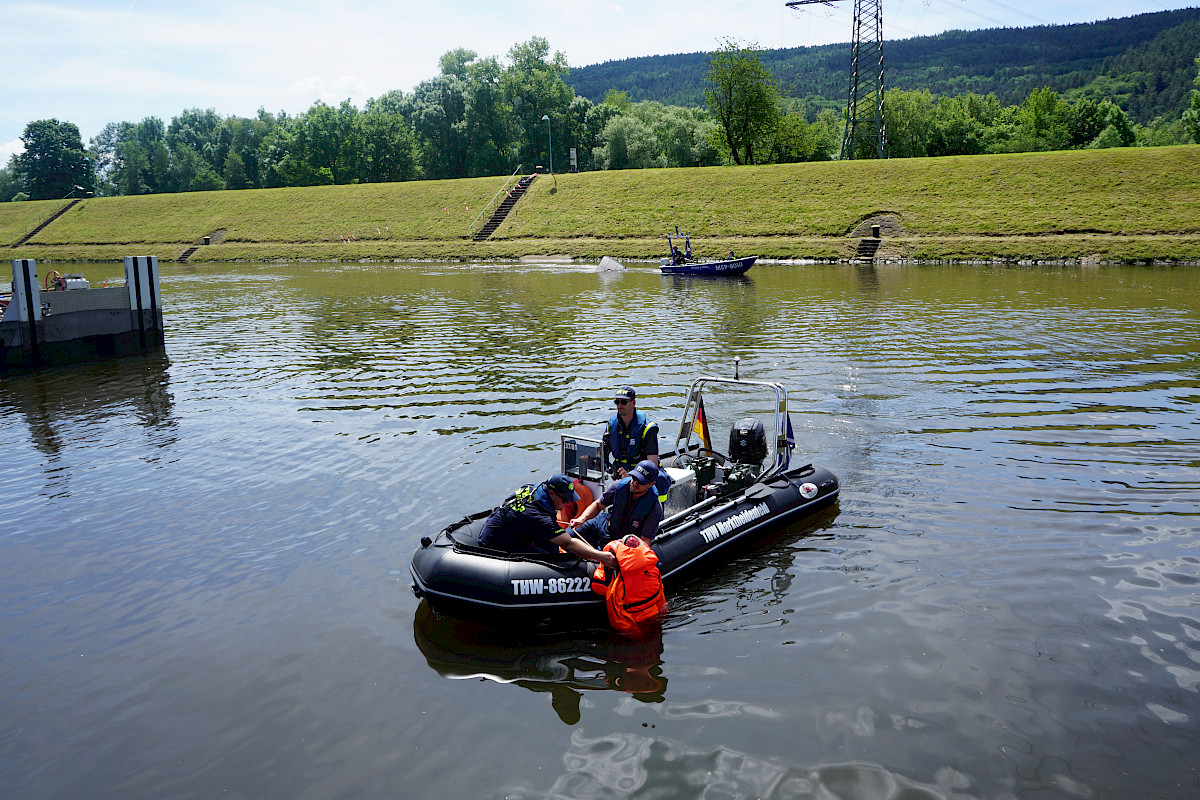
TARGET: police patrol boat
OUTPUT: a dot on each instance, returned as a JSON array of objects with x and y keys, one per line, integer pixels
[
  {"x": 681, "y": 262},
  {"x": 716, "y": 501}
]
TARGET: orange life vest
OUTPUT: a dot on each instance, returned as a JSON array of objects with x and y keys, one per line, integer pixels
[
  {"x": 573, "y": 508},
  {"x": 634, "y": 594}
]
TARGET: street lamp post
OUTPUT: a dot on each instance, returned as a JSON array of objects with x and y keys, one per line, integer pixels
[{"x": 550, "y": 139}]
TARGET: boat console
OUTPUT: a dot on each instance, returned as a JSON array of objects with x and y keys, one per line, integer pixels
[{"x": 586, "y": 459}]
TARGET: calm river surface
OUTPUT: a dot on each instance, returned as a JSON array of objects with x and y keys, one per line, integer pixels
[{"x": 204, "y": 556}]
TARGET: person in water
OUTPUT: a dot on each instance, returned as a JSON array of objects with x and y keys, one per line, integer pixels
[
  {"x": 526, "y": 523},
  {"x": 629, "y": 506}
]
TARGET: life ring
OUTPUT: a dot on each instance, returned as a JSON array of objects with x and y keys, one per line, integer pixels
[
  {"x": 57, "y": 280},
  {"x": 574, "y": 508}
]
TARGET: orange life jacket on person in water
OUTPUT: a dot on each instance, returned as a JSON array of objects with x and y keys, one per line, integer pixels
[{"x": 633, "y": 592}]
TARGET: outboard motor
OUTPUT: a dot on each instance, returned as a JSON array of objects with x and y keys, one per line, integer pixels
[
  {"x": 748, "y": 442},
  {"x": 747, "y": 449}
]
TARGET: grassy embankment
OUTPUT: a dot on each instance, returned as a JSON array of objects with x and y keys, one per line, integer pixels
[{"x": 1120, "y": 204}]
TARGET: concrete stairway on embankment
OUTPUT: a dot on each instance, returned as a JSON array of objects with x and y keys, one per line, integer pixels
[
  {"x": 46, "y": 222},
  {"x": 867, "y": 248},
  {"x": 510, "y": 200}
]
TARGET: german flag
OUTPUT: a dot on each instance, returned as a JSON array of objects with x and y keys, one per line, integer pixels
[{"x": 700, "y": 426}]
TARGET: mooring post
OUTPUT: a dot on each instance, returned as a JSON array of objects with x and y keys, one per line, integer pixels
[
  {"x": 27, "y": 297},
  {"x": 141, "y": 278}
]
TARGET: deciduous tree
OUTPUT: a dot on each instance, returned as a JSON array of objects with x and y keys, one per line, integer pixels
[
  {"x": 1191, "y": 115},
  {"x": 909, "y": 121},
  {"x": 54, "y": 162},
  {"x": 489, "y": 133},
  {"x": 533, "y": 87},
  {"x": 10, "y": 184},
  {"x": 628, "y": 143},
  {"x": 744, "y": 99},
  {"x": 386, "y": 145}
]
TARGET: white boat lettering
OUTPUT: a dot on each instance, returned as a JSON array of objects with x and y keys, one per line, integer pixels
[
  {"x": 550, "y": 585},
  {"x": 528, "y": 585},
  {"x": 713, "y": 532}
]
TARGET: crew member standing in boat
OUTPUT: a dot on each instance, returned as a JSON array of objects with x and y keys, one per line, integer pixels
[
  {"x": 629, "y": 506},
  {"x": 526, "y": 523},
  {"x": 632, "y": 436}
]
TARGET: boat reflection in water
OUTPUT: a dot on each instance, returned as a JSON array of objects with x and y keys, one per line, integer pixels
[
  {"x": 563, "y": 665},
  {"x": 54, "y": 401}
]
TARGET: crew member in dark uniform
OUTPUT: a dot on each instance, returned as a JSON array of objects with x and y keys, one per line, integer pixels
[
  {"x": 526, "y": 523},
  {"x": 629, "y": 506}
]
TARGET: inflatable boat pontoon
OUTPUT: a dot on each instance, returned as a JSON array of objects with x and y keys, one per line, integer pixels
[{"x": 716, "y": 501}]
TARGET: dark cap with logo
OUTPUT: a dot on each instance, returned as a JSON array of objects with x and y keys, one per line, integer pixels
[
  {"x": 561, "y": 485},
  {"x": 625, "y": 393},
  {"x": 645, "y": 472}
]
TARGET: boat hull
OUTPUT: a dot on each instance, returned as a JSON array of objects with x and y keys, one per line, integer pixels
[
  {"x": 457, "y": 577},
  {"x": 733, "y": 266}
]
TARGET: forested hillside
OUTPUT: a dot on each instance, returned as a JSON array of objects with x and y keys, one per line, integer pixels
[
  {"x": 1116, "y": 83},
  {"x": 1144, "y": 63}
]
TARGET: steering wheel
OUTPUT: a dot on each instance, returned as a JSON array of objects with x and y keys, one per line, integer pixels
[{"x": 55, "y": 277}]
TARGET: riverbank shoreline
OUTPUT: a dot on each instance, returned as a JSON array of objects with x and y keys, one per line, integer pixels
[
  {"x": 1003, "y": 251},
  {"x": 1120, "y": 206}
]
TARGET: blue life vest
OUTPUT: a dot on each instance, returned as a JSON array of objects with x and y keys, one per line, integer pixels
[
  {"x": 629, "y": 449},
  {"x": 622, "y": 511}
]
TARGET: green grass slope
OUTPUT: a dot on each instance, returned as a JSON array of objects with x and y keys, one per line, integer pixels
[{"x": 1127, "y": 203}]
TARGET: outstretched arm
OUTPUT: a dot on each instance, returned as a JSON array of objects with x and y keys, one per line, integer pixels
[
  {"x": 588, "y": 513},
  {"x": 578, "y": 547}
]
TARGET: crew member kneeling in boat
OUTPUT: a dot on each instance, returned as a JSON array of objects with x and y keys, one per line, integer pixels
[
  {"x": 629, "y": 506},
  {"x": 526, "y": 523}
]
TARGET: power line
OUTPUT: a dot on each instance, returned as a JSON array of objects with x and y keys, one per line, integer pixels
[
  {"x": 831, "y": 10},
  {"x": 1018, "y": 11},
  {"x": 970, "y": 11}
]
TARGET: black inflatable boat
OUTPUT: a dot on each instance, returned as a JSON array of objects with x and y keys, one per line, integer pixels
[{"x": 717, "y": 500}]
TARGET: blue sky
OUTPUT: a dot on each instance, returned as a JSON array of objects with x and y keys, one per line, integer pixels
[{"x": 92, "y": 62}]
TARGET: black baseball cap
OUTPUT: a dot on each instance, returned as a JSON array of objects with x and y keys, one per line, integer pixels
[{"x": 561, "y": 485}]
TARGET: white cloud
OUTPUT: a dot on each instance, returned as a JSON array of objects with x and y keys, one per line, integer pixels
[{"x": 9, "y": 149}]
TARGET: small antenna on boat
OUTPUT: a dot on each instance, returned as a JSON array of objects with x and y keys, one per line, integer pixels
[{"x": 736, "y": 360}]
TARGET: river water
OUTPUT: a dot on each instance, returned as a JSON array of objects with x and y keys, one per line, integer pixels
[{"x": 204, "y": 555}]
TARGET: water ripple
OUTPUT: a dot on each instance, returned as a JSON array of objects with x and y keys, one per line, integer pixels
[{"x": 203, "y": 556}]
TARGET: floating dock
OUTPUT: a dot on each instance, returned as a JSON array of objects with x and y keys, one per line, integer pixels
[{"x": 67, "y": 321}]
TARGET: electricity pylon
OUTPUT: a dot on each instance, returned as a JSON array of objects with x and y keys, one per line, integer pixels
[{"x": 864, "y": 111}]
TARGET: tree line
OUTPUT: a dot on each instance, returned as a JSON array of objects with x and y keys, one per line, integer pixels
[
  {"x": 1143, "y": 63},
  {"x": 482, "y": 116}
]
